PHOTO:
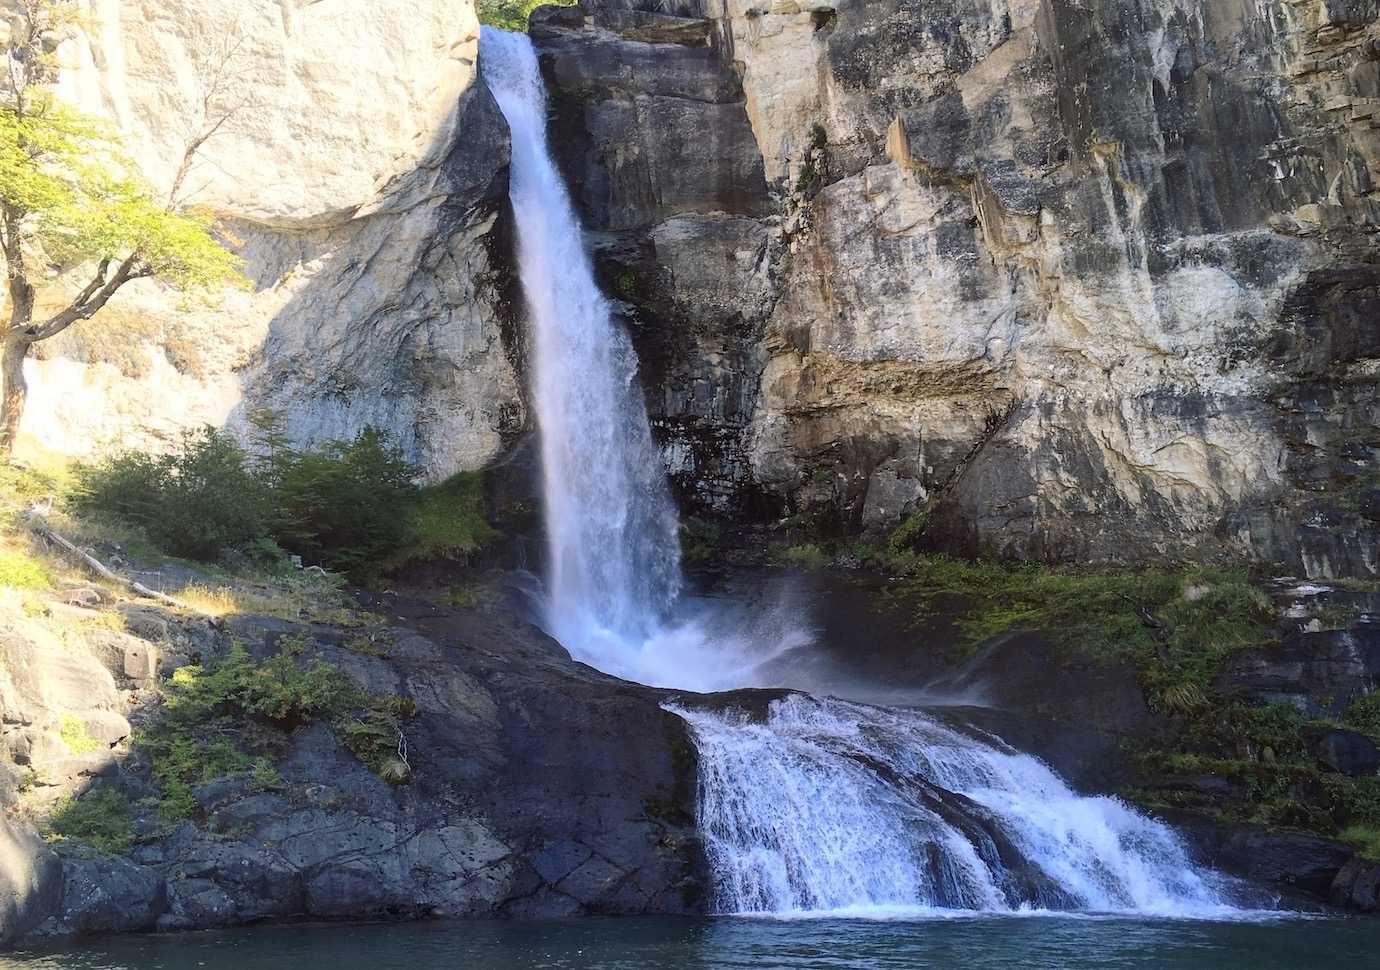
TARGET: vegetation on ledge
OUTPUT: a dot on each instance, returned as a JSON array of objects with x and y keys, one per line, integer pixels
[
  {"x": 512, "y": 14},
  {"x": 99, "y": 818},
  {"x": 235, "y": 717},
  {"x": 349, "y": 507}
]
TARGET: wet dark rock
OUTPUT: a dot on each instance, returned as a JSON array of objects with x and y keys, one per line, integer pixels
[
  {"x": 1025, "y": 674},
  {"x": 1357, "y": 886},
  {"x": 1317, "y": 672},
  {"x": 1289, "y": 861},
  {"x": 106, "y": 895},
  {"x": 1349, "y": 752}
]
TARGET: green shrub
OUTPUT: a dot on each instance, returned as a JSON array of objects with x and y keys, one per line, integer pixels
[
  {"x": 700, "y": 540},
  {"x": 234, "y": 717},
  {"x": 908, "y": 534},
  {"x": 21, "y": 571},
  {"x": 98, "y": 817},
  {"x": 446, "y": 521},
  {"x": 351, "y": 506},
  {"x": 346, "y": 506},
  {"x": 808, "y": 556},
  {"x": 198, "y": 501}
]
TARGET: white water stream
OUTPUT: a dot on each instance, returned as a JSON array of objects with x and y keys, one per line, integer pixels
[{"x": 826, "y": 806}]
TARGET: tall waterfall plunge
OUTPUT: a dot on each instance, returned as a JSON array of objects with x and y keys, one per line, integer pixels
[
  {"x": 824, "y": 805},
  {"x": 612, "y": 530}
]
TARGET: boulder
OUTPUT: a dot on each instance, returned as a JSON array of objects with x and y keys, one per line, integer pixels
[
  {"x": 1290, "y": 862},
  {"x": 1357, "y": 886},
  {"x": 1348, "y": 752},
  {"x": 107, "y": 895},
  {"x": 30, "y": 881}
]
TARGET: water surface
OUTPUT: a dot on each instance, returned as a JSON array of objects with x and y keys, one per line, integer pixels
[{"x": 956, "y": 941}]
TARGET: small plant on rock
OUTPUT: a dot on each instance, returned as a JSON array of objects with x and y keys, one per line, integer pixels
[{"x": 99, "y": 817}]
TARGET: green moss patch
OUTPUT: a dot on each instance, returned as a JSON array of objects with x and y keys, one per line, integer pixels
[{"x": 1175, "y": 626}]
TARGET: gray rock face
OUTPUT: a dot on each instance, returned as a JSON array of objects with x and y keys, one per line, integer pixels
[
  {"x": 30, "y": 881},
  {"x": 1074, "y": 281},
  {"x": 651, "y": 131},
  {"x": 538, "y": 787}
]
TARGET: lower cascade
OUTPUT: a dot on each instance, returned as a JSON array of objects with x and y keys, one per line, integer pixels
[
  {"x": 825, "y": 806},
  {"x": 830, "y": 806}
]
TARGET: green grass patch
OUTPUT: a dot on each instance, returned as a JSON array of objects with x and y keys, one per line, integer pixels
[
  {"x": 1366, "y": 838},
  {"x": 1364, "y": 715},
  {"x": 19, "y": 570},
  {"x": 99, "y": 818}
]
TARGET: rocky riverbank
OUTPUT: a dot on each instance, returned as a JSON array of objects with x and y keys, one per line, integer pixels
[{"x": 533, "y": 786}]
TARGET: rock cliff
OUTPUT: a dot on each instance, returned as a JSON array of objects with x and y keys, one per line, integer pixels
[
  {"x": 360, "y": 171},
  {"x": 1071, "y": 282}
]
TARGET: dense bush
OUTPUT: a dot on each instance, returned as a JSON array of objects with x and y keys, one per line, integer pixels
[
  {"x": 350, "y": 506},
  {"x": 199, "y": 500},
  {"x": 345, "y": 507}
]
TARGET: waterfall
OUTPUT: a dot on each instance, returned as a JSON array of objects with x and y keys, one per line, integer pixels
[
  {"x": 612, "y": 531},
  {"x": 829, "y": 806},
  {"x": 825, "y": 806}
]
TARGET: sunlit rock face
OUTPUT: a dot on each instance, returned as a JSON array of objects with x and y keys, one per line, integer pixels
[
  {"x": 359, "y": 169},
  {"x": 1077, "y": 282}
]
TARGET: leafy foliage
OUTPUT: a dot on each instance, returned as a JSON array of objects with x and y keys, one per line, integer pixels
[
  {"x": 235, "y": 716},
  {"x": 512, "y": 14},
  {"x": 806, "y": 556},
  {"x": 99, "y": 817},
  {"x": 196, "y": 501},
  {"x": 351, "y": 506},
  {"x": 81, "y": 201},
  {"x": 345, "y": 506},
  {"x": 446, "y": 521}
]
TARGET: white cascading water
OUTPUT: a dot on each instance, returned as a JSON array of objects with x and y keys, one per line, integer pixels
[
  {"x": 827, "y": 806},
  {"x": 612, "y": 530},
  {"x": 835, "y": 807}
]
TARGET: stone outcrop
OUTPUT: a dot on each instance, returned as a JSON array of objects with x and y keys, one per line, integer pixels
[
  {"x": 358, "y": 167},
  {"x": 538, "y": 787},
  {"x": 1071, "y": 281}
]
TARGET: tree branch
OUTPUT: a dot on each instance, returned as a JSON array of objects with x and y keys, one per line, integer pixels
[{"x": 95, "y": 296}]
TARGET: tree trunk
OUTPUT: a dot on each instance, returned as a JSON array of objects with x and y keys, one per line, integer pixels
[{"x": 13, "y": 391}]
